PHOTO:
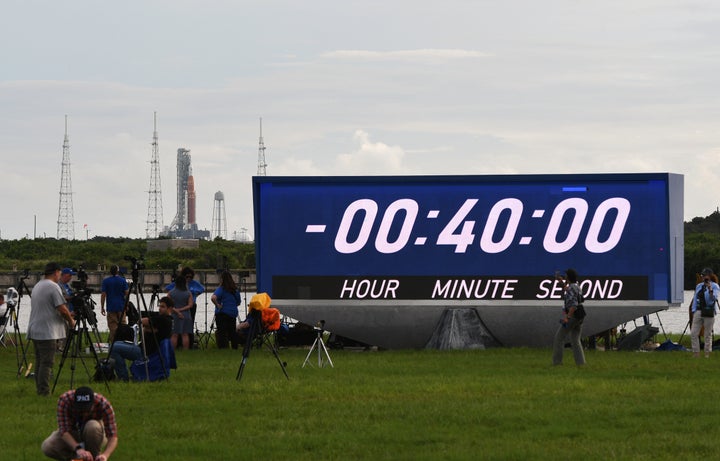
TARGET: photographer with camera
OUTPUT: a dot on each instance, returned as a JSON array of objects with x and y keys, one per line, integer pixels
[
  {"x": 114, "y": 290},
  {"x": 65, "y": 276},
  {"x": 703, "y": 311},
  {"x": 47, "y": 324},
  {"x": 571, "y": 323}
]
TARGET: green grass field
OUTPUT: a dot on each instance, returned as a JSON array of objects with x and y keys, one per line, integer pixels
[{"x": 505, "y": 404}]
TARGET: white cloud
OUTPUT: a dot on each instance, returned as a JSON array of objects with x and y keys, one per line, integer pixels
[{"x": 371, "y": 158}]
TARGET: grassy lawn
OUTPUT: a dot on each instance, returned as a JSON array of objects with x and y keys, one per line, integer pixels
[{"x": 505, "y": 404}]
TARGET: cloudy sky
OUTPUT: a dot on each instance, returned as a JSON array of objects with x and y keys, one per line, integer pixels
[{"x": 344, "y": 87}]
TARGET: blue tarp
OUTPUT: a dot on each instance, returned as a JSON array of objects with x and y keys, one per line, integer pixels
[
  {"x": 157, "y": 368},
  {"x": 670, "y": 346}
]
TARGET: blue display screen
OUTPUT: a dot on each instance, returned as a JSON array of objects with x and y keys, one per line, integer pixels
[{"x": 315, "y": 237}]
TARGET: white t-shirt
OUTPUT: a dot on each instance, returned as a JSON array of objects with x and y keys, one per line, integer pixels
[{"x": 45, "y": 320}]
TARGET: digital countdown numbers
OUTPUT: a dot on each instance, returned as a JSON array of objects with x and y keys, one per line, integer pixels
[
  {"x": 460, "y": 233},
  {"x": 317, "y": 236}
]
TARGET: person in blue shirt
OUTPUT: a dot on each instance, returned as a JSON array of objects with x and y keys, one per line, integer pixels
[
  {"x": 114, "y": 291},
  {"x": 226, "y": 300},
  {"x": 703, "y": 311},
  {"x": 65, "y": 276}
]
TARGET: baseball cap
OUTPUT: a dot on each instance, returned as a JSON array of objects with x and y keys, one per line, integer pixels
[
  {"x": 706, "y": 271},
  {"x": 84, "y": 398},
  {"x": 68, "y": 270},
  {"x": 51, "y": 268}
]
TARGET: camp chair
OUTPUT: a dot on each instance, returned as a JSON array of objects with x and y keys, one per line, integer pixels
[
  {"x": 158, "y": 366},
  {"x": 264, "y": 324}
]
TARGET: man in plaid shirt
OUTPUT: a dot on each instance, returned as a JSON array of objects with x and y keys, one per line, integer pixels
[{"x": 86, "y": 423}]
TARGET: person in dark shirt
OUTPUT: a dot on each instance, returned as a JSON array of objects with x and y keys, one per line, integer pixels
[
  {"x": 155, "y": 329},
  {"x": 114, "y": 291}
]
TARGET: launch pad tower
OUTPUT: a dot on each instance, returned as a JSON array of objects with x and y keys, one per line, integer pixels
[
  {"x": 184, "y": 225},
  {"x": 66, "y": 221}
]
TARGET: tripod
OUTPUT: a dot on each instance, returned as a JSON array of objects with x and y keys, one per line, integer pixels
[
  {"x": 206, "y": 336},
  {"x": 22, "y": 363},
  {"x": 154, "y": 297},
  {"x": 319, "y": 344},
  {"x": 73, "y": 346},
  {"x": 243, "y": 281},
  {"x": 135, "y": 317},
  {"x": 83, "y": 301},
  {"x": 255, "y": 330}
]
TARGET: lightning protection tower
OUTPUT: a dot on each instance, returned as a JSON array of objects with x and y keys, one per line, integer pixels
[
  {"x": 66, "y": 221},
  {"x": 155, "y": 208},
  {"x": 262, "y": 166},
  {"x": 219, "y": 223}
]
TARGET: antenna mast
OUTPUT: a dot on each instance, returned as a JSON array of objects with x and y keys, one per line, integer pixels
[
  {"x": 66, "y": 221},
  {"x": 155, "y": 209},
  {"x": 262, "y": 166}
]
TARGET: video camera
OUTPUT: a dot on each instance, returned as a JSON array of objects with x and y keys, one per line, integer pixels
[
  {"x": 81, "y": 274},
  {"x": 82, "y": 302},
  {"x": 137, "y": 263},
  {"x": 11, "y": 297}
]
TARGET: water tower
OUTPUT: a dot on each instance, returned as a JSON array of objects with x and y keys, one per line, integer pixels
[{"x": 219, "y": 223}]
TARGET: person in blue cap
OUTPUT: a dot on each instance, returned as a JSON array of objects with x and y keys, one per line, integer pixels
[{"x": 65, "y": 276}]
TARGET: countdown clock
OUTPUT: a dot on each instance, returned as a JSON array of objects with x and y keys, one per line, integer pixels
[{"x": 371, "y": 241}]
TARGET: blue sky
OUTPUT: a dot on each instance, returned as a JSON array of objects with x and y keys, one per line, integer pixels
[{"x": 345, "y": 87}]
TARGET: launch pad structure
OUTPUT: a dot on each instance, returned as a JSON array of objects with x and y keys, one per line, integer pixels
[{"x": 184, "y": 224}]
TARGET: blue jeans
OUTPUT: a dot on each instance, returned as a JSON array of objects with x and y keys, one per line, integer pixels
[{"x": 122, "y": 351}]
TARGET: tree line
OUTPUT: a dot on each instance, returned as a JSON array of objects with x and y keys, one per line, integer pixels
[
  {"x": 702, "y": 247},
  {"x": 102, "y": 252}
]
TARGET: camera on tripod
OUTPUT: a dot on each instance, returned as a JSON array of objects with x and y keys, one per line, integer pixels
[
  {"x": 137, "y": 263},
  {"x": 82, "y": 302},
  {"x": 81, "y": 274}
]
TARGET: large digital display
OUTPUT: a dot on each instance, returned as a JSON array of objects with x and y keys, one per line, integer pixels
[{"x": 468, "y": 237}]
